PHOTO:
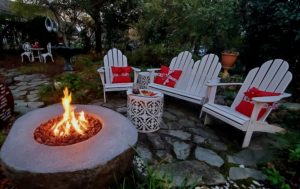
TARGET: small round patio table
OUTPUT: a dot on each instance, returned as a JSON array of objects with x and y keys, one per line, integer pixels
[
  {"x": 37, "y": 54},
  {"x": 145, "y": 112}
]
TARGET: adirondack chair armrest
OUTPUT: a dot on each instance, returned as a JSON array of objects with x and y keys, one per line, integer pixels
[
  {"x": 101, "y": 69},
  {"x": 259, "y": 103},
  {"x": 101, "y": 72},
  {"x": 270, "y": 98},
  {"x": 136, "y": 73},
  {"x": 212, "y": 89}
]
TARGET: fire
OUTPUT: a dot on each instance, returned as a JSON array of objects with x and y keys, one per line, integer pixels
[{"x": 70, "y": 120}]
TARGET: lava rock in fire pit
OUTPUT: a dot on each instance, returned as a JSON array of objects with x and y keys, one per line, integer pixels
[{"x": 93, "y": 163}]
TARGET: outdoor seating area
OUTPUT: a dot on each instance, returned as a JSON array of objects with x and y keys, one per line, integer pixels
[
  {"x": 33, "y": 52},
  {"x": 149, "y": 94}
]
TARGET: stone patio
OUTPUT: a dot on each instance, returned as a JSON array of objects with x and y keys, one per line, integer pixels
[{"x": 183, "y": 149}]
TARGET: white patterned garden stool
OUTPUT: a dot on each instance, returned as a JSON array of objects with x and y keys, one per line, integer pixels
[
  {"x": 143, "y": 80},
  {"x": 145, "y": 112}
]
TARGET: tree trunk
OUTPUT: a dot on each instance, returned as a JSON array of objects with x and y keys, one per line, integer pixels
[{"x": 98, "y": 32}]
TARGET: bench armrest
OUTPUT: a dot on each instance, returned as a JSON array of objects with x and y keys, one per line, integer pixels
[
  {"x": 136, "y": 69},
  {"x": 136, "y": 73},
  {"x": 152, "y": 73}
]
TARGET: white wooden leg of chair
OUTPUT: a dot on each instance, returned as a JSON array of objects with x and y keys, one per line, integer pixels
[
  {"x": 52, "y": 58},
  {"x": 201, "y": 113},
  {"x": 247, "y": 138},
  {"x": 207, "y": 119},
  {"x": 104, "y": 96}
]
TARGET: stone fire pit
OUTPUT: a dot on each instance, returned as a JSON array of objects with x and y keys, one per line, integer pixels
[{"x": 93, "y": 163}]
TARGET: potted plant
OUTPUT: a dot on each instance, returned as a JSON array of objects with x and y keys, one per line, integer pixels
[{"x": 229, "y": 57}]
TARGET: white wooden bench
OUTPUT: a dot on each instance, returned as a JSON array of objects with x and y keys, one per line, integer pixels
[{"x": 191, "y": 84}]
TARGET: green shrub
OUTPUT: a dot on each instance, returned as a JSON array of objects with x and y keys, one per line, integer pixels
[
  {"x": 275, "y": 178},
  {"x": 286, "y": 160},
  {"x": 287, "y": 118},
  {"x": 70, "y": 80},
  {"x": 151, "y": 56}
]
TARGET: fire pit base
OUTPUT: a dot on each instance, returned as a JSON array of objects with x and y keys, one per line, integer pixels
[{"x": 94, "y": 163}]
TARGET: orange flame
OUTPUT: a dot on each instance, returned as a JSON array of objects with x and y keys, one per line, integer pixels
[{"x": 69, "y": 121}]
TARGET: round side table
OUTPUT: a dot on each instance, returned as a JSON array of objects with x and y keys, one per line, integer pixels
[
  {"x": 143, "y": 80},
  {"x": 145, "y": 112}
]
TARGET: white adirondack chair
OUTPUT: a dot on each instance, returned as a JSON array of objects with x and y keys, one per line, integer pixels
[
  {"x": 114, "y": 57},
  {"x": 191, "y": 84},
  {"x": 27, "y": 52},
  {"x": 45, "y": 55},
  {"x": 272, "y": 76}
]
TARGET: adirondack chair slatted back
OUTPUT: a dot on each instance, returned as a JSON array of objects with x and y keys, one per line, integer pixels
[
  {"x": 272, "y": 76},
  {"x": 114, "y": 57},
  {"x": 204, "y": 70},
  {"x": 185, "y": 63}
]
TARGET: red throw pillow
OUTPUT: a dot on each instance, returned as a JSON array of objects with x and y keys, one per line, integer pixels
[
  {"x": 162, "y": 76},
  {"x": 254, "y": 92},
  {"x": 121, "y": 74},
  {"x": 167, "y": 77},
  {"x": 246, "y": 106}
]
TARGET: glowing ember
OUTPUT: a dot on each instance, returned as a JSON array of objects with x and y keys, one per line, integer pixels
[
  {"x": 68, "y": 128},
  {"x": 70, "y": 121}
]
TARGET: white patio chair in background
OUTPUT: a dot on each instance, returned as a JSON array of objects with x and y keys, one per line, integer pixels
[
  {"x": 45, "y": 55},
  {"x": 272, "y": 76},
  {"x": 114, "y": 57},
  {"x": 27, "y": 52}
]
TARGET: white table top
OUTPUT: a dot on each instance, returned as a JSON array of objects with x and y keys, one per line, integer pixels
[
  {"x": 37, "y": 49},
  {"x": 158, "y": 94}
]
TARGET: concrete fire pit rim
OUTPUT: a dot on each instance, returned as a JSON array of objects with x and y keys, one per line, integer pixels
[{"x": 116, "y": 138}]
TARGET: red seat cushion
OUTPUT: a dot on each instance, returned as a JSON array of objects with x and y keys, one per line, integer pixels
[
  {"x": 167, "y": 77},
  {"x": 121, "y": 74},
  {"x": 246, "y": 106}
]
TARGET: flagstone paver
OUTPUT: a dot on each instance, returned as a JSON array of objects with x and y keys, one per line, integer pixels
[
  {"x": 208, "y": 156},
  {"x": 182, "y": 150},
  {"x": 25, "y": 89}
]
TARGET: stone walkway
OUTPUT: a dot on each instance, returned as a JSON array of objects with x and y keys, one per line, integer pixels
[
  {"x": 186, "y": 151},
  {"x": 183, "y": 150},
  {"x": 25, "y": 89}
]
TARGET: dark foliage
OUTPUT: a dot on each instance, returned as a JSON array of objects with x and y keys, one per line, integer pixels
[{"x": 272, "y": 30}]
